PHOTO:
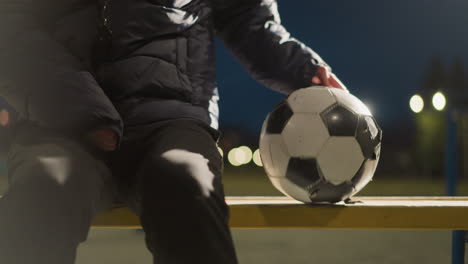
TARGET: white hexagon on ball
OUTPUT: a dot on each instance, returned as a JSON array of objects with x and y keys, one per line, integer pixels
[
  {"x": 340, "y": 159},
  {"x": 304, "y": 135},
  {"x": 306, "y": 101},
  {"x": 274, "y": 155}
]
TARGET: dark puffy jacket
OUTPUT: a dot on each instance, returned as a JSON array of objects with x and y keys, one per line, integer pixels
[
  {"x": 45, "y": 72},
  {"x": 154, "y": 59}
]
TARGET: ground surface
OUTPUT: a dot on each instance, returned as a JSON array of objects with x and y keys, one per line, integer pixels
[{"x": 290, "y": 246}]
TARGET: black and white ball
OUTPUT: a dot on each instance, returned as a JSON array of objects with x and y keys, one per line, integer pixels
[{"x": 320, "y": 144}]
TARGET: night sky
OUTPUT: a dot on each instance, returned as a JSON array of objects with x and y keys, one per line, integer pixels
[{"x": 379, "y": 49}]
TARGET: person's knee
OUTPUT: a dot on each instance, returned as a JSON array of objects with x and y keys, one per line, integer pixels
[
  {"x": 179, "y": 174},
  {"x": 59, "y": 170},
  {"x": 55, "y": 184},
  {"x": 55, "y": 162}
]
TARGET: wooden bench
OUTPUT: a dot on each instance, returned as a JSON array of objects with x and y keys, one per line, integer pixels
[
  {"x": 441, "y": 213},
  {"x": 415, "y": 213}
]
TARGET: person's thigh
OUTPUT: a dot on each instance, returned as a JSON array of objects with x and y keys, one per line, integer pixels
[
  {"x": 56, "y": 187},
  {"x": 180, "y": 198}
]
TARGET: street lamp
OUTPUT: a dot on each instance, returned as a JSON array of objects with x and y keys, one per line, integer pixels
[
  {"x": 416, "y": 103},
  {"x": 451, "y": 161},
  {"x": 439, "y": 101}
]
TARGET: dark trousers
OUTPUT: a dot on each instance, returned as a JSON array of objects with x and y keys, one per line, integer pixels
[{"x": 169, "y": 173}]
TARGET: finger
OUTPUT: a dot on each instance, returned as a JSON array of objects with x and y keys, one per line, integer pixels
[
  {"x": 316, "y": 80},
  {"x": 104, "y": 145},
  {"x": 335, "y": 82},
  {"x": 4, "y": 117},
  {"x": 324, "y": 74},
  {"x": 107, "y": 143},
  {"x": 104, "y": 139},
  {"x": 321, "y": 76}
]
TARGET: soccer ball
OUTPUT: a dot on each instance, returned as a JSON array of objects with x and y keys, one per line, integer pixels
[{"x": 320, "y": 144}]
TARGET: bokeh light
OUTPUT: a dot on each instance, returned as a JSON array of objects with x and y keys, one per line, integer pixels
[
  {"x": 416, "y": 103},
  {"x": 240, "y": 156},
  {"x": 232, "y": 158},
  {"x": 438, "y": 101},
  {"x": 246, "y": 154}
]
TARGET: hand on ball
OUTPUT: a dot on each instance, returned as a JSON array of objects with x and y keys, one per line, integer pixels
[{"x": 325, "y": 77}]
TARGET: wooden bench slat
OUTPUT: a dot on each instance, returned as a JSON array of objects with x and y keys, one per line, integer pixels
[{"x": 443, "y": 213}]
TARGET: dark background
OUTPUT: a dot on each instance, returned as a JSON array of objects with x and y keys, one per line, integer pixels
[
  {"x": 384, "y": 52},
  {"x": 379, "y": 49}
]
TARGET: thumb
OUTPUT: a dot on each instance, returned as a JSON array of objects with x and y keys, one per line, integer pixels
[
  {"x": 321, "y": 76},
  {"x": 335, "y": 82},
  {"x": 4, "y": 117},
  {"x": 104, "y": 138}
]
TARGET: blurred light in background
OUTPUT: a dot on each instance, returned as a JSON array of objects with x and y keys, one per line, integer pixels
[
  {"x": 246, "y": 154},
  {"x": 438, "y": 101},
  {"x": 256, "y": 158},
  {"x": 416, "y": 103},
  {"x": 240, "y": 156},
  {"x": 232, "y": 157}
]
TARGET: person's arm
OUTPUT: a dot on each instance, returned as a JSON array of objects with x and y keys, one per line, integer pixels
[
  {"x": 44, "y": 83},
  {"x": 252, "y": 31}
]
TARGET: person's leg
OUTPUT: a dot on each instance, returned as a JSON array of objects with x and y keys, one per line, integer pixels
[
  {"x": 56, "y": 187},
  {"x": 181, "y": 198}
]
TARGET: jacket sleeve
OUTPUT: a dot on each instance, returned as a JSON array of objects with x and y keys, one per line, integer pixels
[
  {"x": 44, "y": 82},
  {"x": 252, "y": 31}
]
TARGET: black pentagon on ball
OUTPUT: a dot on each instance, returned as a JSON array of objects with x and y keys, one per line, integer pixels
[
  {"x": 339, "y": 121},
  {"x": 303, "y": 172},
  {"x": 369, "y": 136},
  {"x": 278, "y": 118}
]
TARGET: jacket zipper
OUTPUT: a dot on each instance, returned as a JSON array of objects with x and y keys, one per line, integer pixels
[
  {"x": 105, "y": 18},
  {"x": 102, "y": 48}
]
